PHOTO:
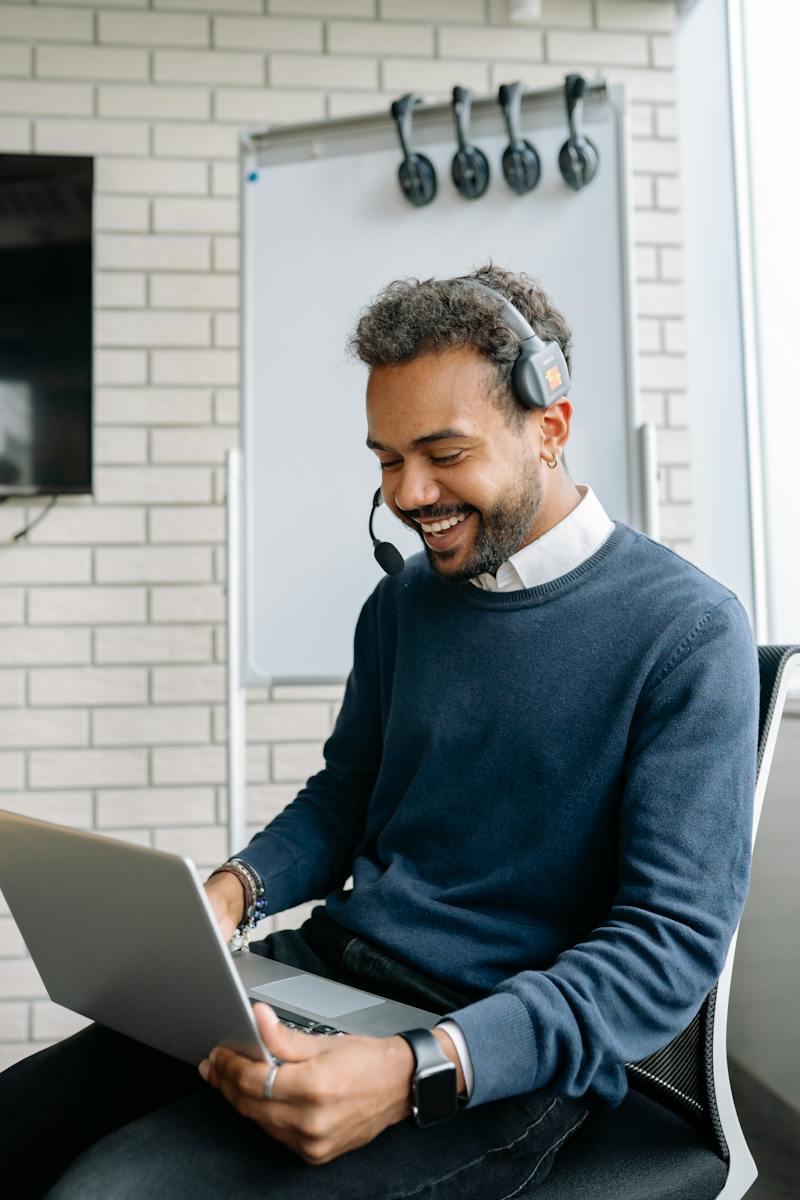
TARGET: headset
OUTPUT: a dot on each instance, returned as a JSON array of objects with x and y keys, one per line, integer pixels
[
  {"x": 578, "y": 158},
  {"x": 521, "y": 163},
  {"x": 470, "y": 166},
  {"x": 416, "y": 173},
  {"x": 539, "y": 377}
]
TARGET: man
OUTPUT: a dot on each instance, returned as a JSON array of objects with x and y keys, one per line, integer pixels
[{"x": 541, "y": 781}]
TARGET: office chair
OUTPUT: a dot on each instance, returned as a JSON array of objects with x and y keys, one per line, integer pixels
[{"x": 676, "y": 1135}]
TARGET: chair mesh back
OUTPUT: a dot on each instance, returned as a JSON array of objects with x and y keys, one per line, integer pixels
[{"x": 681, "y": 1076}]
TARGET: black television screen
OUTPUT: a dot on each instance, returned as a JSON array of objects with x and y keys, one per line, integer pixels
[{"x": 45, "y": 324}]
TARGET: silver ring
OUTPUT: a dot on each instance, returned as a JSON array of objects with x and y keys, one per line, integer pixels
[{"x": 270, "y": 1081}]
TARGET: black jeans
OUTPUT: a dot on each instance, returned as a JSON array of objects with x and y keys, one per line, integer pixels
[{"x": 102, "y": 1117}]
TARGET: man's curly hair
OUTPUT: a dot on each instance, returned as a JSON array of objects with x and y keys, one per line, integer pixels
[{"x": 411, "y": 317}]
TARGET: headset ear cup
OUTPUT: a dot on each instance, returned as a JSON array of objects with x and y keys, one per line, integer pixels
[
  {"x": 525, "y": 382},
  {"x": 522, "y": 167},
  {"x": 578, "y": 161},
  {"x": 592, "y": 160},
  {"x": 417, "y": 176},
  {"x": 470, "y": 172}
]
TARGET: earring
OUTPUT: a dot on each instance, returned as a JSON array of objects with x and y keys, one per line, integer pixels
[{"x": 552, "y": 463}]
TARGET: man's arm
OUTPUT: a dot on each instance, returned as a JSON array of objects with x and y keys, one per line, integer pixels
[
  {"x": 684, "y": 853},
  {"x": 307, "y": 851},
  {"x": 226, "y": 896}
]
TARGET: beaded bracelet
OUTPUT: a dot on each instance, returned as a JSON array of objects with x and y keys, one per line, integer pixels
[
  {"x": 256, "y": 910},
  {"x": 255, "y": 901}
]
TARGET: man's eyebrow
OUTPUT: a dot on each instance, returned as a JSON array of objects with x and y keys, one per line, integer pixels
[{"x": 439, "y": 435}]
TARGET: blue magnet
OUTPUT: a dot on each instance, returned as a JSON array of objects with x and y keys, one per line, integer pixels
[{"x": 253, "y": 176}]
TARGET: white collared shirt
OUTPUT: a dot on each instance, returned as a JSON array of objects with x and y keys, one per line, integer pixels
[{"x": 563, "y": 548}]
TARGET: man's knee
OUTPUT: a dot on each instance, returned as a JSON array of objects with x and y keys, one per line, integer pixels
[{"x": 98, "y": 1175}]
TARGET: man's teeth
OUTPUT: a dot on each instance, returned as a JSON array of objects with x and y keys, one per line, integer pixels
[{"x": 440, "y": 526}]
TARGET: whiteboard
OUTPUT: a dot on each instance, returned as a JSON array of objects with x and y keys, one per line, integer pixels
[{"x": 325, "y": 227}]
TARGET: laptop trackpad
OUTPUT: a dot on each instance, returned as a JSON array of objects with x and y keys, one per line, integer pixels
[{"x": 316, "y": 995}]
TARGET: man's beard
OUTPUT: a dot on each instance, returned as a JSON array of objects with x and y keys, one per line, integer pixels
[{"x": 501, "y": 531}]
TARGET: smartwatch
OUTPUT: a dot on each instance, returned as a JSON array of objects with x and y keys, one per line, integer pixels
[{"x": 434, "y": 1095}]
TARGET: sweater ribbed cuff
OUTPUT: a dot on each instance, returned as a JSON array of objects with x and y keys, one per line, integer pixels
[
  {"x": 502, "y": 1047},
  {"x": 276, "y": 867}
]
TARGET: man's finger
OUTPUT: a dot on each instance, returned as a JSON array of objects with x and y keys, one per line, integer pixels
[
  {"x": 235, "y": 1075},
  {"x": 292, "y": 1122},
  {"x": 236, "y": 1071},
  {"x": 291, "y": 1045}
]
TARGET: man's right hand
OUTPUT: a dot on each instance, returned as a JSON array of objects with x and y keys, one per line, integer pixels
[{"x": 226, "y": 896}]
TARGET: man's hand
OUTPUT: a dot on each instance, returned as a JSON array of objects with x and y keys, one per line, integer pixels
[
  {"x": 226, "y": 897},
  {"x": 330, "y": 1094}
]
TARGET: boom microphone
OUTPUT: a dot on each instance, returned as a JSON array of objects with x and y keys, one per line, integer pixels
[{"x": 387, "y": 556}]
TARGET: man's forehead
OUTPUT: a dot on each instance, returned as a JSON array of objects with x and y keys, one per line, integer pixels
[{"x": 433, "y": 397}]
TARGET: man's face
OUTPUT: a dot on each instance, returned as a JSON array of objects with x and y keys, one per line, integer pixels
[{"x": 449, "y": 458}]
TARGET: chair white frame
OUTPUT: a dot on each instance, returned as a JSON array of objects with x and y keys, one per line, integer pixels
[{"x": 742, "y": 1170}]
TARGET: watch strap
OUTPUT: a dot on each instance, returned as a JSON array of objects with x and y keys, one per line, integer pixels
[{"x": 426, "y": 1049}]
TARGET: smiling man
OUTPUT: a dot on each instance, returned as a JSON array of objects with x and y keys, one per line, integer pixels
[
  {"x": 465, "y": 474},
  {"x": 540, "y": 781}
]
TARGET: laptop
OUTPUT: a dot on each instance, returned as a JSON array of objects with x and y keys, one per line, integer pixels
[{"x": 126, "y": 935}]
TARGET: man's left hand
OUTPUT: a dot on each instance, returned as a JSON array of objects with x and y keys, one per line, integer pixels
[{"x": 330, "y": 1094}]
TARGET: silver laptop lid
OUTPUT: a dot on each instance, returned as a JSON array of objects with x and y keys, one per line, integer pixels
[{"x": 106, "y": 923}]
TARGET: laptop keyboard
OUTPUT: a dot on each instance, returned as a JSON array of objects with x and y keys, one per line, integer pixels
[{"x": 313, "y": 1027}]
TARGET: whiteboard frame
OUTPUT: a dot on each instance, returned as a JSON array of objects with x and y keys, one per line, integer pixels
[{"x": 314, "y": 140}]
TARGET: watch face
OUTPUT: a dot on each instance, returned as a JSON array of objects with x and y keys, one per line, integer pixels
[{"x": 436, "y": 1094}]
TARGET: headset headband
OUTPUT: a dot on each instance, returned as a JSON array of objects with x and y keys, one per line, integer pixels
[
  {"x": 539, "y": 375},
  {"x": 509, "y": 315}
]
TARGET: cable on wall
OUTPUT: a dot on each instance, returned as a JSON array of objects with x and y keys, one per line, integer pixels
[{"x": 21, "y": 534}]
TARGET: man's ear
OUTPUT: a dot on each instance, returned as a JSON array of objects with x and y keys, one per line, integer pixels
[{"x": 554, "y": 423}]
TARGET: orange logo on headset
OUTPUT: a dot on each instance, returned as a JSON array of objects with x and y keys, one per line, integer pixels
[{"x": 553, "y": 377}]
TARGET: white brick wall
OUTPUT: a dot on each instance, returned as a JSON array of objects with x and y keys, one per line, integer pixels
[
  {"x": 87, "y": 685},
  {"x": 151, "y": 406},
  {"x": 266, "y": 33},
  {"x": 12, "y": 688},
  {"x": 90, "y": 62},
  {"x": 181, "y": 604},
  {"x": 150, "y": 726},
  {"x": 111, "y": 616},
  {"x": 155, "y": 806}
]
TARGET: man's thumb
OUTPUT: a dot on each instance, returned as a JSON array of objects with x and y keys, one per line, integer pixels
[
  {"x": 288, "y": 1044},
  {"x": 265, "y": 1015}
]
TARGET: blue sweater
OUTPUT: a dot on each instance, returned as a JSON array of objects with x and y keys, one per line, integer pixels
[{"x": 544, "y": 794}]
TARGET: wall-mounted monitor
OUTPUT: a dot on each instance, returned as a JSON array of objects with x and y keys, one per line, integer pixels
[{"x": 45, "y": 324}]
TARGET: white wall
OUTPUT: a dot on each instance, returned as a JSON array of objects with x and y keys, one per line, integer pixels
[
  {"x": 771, "y": 38},
  {"x": 764, "y": 1032},
  {"x": 111, "y": 618},
  {"x": 716, "y": 392},
  {"x": 729, "y": 506}
]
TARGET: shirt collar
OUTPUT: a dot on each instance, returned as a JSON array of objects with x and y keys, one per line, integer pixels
[{"x": 561, "y": 549}]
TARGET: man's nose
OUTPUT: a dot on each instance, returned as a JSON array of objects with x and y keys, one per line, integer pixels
[{"x": 415, "y": 489}]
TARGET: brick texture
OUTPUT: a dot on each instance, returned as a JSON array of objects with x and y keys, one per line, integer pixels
[{"x": 112, "y": 676}]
